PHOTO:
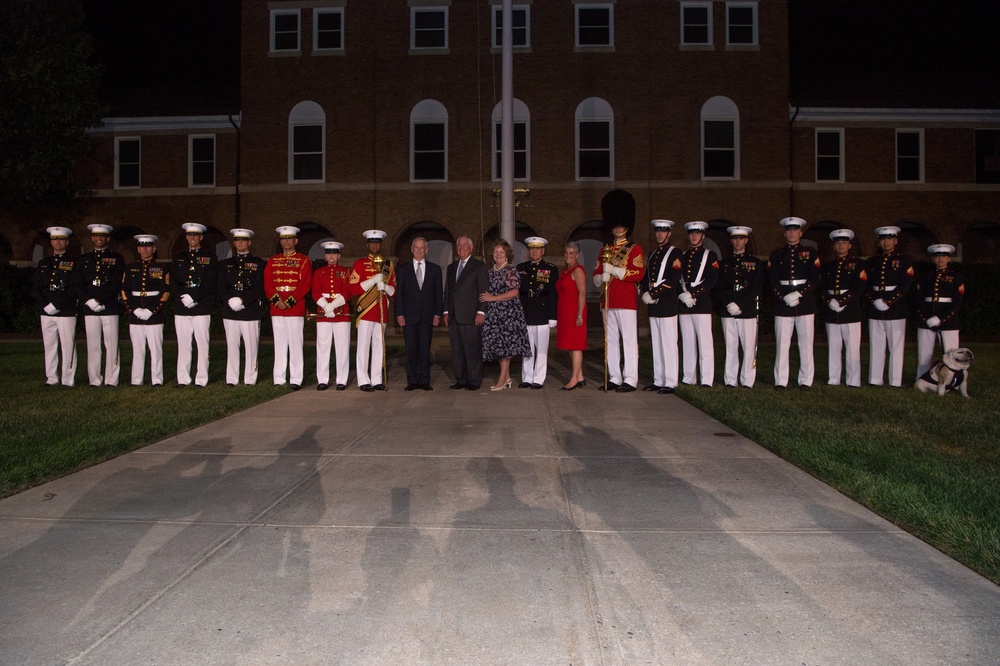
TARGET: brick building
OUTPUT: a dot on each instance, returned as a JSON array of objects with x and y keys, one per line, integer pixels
[{"x": 353, "y": 115}]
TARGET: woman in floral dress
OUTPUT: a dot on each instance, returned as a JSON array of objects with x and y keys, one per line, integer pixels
[{"x": 505, "y": 331}]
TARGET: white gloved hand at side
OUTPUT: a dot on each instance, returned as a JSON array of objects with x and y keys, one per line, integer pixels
[
  {"x": 880, "y": 305},
  {"x": 734, "y": 309},
  {"x": 187, "y": 300},
  {"x": 50, "y": 309},
  {"x": 933, "y": 322},
  {"x": 236, "y": 304},
  {"x": 686, "y": 298},
  {"x": 142, "y": 313},
  {"x": 552, "y": 323},
  {"x": 94, "y": 305},
  {"x": 647, "y": 298}
]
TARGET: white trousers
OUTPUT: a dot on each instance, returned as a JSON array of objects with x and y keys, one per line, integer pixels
[
  {"x": 926, "y": 339},
  {"x": 663, "y": 331},
  {"x": 187, "y": 328},
  {"x": 884, "y": 333},
  {"x": 368, "y": 361},
  {"x": 335, "y": 334},
  {"x": 102, "y": 328},
  {"x": 622, "y": 328},
  {"x": 534, "y": 369},
  {"x": 804, "y": 328},
  {"x": 249, "y": 333},
  {"x": 845, "y": 352},
  {"x": 740, "y": 333},
  {"x": 288, "y": 341},
  {"x": 59, "y": 334},
  {"x": 147, "y": 337},
  {"x": 696, "y": 340}
]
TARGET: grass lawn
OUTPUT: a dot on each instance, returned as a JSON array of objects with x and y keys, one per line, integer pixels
[{"x": 930, "y": 465}]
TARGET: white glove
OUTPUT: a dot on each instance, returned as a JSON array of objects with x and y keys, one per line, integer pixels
[
  {"x": 329, "y": 311},
  {"x": 236, "y": 304},
  {"x": 647, "y": 298},
  {"x": 389, "y": 290},
  {"x": 605, "y": 277},
  {"x": 792, "y": 298},
  {"x": 880, "y": 305},
  {"x": 686, "y": 298},
  {"x": 322, "y": 302},
  {"x": 187, "y": 300},
  {"x": 50, "y": 309},
  {"x": 100, "y": 308},
  {"x": 338, "y": 301},
  {"x": 835, "y": 305},
  {"x": 734, "y": 309},
  {"x": 142, "y": 313},
  {"x": 933, "y": 322},
  {"x": 552, "y": 323},
  {"x": 367, "y": 284},
  {"x": 380, "y": 286},
  {"x": 607, "y": 268},
  {"x": 599, "y": 280},
  {"x": 379, "y": 278},
  {"x": 618, "y": 272},
  {"x": 94, "y": 305}
]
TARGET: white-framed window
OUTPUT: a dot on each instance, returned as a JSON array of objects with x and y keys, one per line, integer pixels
[
  {"x": 201, "y": 160},
  {"x": 307, "y": 143},
  {"x": 987, "y": 156},
  {"x": 128, "y": 153},
  {"x": 429, "y": 141},
  {"x": 429, "y": 28},
  {"x": 909, "y": 156},
  {"x": 696, "y": 23},
  {"x": 595, "y": 140},
  {"x": 720, "y": 139},
  {"x": 520, "y": 26},
  {"x": 595, "y": 25},
  {"x": 741, "y": 23},
  {"x": 286, "y": 31},
  {"x": 328, "y": 30},
  {"x": 522, "y": 141},
  {"x": 830, "y": 155}
]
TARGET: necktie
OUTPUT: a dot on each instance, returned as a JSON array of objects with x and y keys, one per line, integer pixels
[
  {"x": 420, "y": 274},
  {"x": 458, "y": 273}
]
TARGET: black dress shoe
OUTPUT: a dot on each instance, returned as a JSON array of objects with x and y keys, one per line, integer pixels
[
  {"x": 779, "y": 387},
  {"x": 378, "y": 387},
  {"x": 296, "y": 387},
  {"x": 610, "y": 387},
  {"x": 666, "y": 390},
  {"x": 472, "y": 387},
  {"x": 367, "y": 388},
  {"x": 536, "y": 386},
  {"x": 228, "y": 384},
  {"x": 804, "y": 387},
  {"x": 341, "y": 387},
  {"x": 411, "y": 387},
  {"x": 625, "y": 388},
  {"x": 651, "y": 387},
  {"x": 426, "y": 387},
  {"x": 322, "y": 387},
  {"x": 457, "y": 387},
  {"x": 524, "y": 385}
]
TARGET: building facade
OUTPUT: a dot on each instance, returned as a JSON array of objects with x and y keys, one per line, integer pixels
[{"x": 385, "y": 114}]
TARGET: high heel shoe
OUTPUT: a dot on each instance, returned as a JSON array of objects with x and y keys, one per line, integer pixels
[
  {"x": 570, "y": 388},
  {"x": 581, "y": 383},
  {"x": 500, "y": 387}
]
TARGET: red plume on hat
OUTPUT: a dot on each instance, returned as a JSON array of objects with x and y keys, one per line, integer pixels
[{"x": 618, "y": 210}]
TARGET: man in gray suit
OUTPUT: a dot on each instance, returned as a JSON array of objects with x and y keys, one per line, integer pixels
[
  {"x": 467, "y": 279},
  {"x": 418, "y": 311}
]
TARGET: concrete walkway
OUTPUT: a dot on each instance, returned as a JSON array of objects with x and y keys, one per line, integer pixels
[{"x": 452, "y": 527}]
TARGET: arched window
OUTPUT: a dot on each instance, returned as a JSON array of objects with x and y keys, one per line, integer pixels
[
  {"x": 595, "y": 140},
  {"x": 429, "y": 141},
  {"x": 522, "y": 141},
  {"x": 720, "y": 139},
  {"x": 307, "y": 143}
]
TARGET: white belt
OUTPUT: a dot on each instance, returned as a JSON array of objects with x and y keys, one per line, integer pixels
[
  {"x": 937, "y": 300},
  {"x": 145, "y": 293},
  {"x": 891, "y": 287},
  {"x": 792, "y": 283},
  {"x": 838, "y": 292}
]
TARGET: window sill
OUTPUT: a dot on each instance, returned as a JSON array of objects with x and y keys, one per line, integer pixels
[
  {"x": 594, "y": 48},
  {"x": 284, "y": 54},
  {"x": 697, "y": 47},
  {"x": 430, "y": 51}
]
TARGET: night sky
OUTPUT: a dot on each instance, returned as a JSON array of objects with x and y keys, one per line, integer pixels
[{"x": 866, "y": 52}]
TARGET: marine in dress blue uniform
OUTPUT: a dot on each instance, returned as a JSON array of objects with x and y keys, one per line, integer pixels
[
  {"x": 699, "y": 274},
  {"x": 241, "y": 290},
  {"x": 794, "y": 277},
  {"x": 889, "y": 277},
  {"x": 194, "y": 274},
  {"x": 145, "y": 292},
  {"x": 741, "y": 281},
  {"x": 98, "y": 284},
  {"x": 538, "y": 298},
  {"x": 842, "y": 289},
  {"x": 939, "y": 297},
  {"x": 660, "y": 285},
  {"x": 55, "y": 291}
]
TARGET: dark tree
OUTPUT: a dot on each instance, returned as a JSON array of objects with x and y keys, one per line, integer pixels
[{"x": 48, "y": 97}]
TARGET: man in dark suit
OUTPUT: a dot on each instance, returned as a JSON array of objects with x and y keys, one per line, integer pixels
[
  {"x": 419, "y": 301},
  {"x": 463, "y": 315}
]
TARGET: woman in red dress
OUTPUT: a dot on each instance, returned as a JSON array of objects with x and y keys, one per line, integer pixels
[{"x": 571, "y": 316}]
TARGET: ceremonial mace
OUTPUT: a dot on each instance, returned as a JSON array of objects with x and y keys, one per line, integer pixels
[
  {"x": 381, "y": 265},
  {"x": 606, "y": 254}
]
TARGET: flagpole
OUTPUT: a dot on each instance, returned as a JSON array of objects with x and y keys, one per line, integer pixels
[{"x": 507, "y": 125}]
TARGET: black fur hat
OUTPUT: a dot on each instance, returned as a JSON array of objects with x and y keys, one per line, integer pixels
[{"x": 618, "y": 210}]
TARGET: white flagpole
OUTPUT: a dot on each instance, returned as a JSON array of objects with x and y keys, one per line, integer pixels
[{"x": 507, "y": 126}]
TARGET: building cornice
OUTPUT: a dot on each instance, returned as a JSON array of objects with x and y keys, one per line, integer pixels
[
  {"x": 166, "y": 124},
  {"x": 820, "y": 114}
]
